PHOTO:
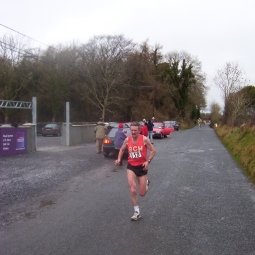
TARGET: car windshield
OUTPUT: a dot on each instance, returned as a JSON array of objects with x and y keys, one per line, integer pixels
[
  {"x": 157, "y": 125},
  {"x": 51, "y": 125},
  {"x": 6, "y": 125},
  {"x": 113, "y": 124},
  {"x": 113, "y": 131}
]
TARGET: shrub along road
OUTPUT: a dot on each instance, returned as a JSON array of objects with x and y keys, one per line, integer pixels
[{"x": 74, "y": 201}]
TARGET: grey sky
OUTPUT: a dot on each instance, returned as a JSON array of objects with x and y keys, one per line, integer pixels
[{"x": 216, "y": 32}]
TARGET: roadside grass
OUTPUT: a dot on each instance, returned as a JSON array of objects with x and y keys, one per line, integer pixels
[{"x": 240, "y": 142}]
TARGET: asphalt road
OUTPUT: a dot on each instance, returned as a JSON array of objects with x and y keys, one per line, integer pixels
[{"x": 73, "y": 201}]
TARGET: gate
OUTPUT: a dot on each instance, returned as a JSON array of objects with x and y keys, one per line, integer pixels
[{"x": 14, "y": 141}]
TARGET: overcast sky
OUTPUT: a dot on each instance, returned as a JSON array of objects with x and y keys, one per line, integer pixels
[{"x": 216, "y": 32}]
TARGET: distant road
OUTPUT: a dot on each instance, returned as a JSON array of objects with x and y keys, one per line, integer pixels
[{"x": 199, "y": 202}]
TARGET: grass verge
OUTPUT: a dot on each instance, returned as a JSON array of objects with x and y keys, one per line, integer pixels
[{"x": 241, "y": 144}]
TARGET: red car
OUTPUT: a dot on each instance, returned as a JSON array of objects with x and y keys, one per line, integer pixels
[
  {"x": 160, "y": 130},
  {"x": 169, "y": 128}
]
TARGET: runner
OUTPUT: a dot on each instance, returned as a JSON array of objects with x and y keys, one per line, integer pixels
[
  {"x": 137, "y": 168},
  {"x": 199, "y": 122}
]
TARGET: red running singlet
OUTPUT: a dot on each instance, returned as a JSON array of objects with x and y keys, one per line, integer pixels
[{"x": 137, "y": 152}]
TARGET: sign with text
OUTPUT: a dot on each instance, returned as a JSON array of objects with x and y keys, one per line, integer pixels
[{"x": 13, "y": 141}]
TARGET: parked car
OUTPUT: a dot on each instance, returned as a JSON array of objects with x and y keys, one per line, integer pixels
[
  {"x": 113, "y": 124},
  {"x": 172, "y": 122},
  {"x": 53, "y": 129},
  {"x": 108, "y": 143},
  {"x": 6, "y": 125},
  {"x": 39, "y": 127},
  {"x": 168, "y": 128},
  {"x": 159, "y": 130}
]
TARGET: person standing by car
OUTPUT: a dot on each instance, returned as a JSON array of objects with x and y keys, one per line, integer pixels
[
  {"x": 118, "y": 140},
  {"x": 100, "y": 130},
  {"x": 144, "y": 129},
  {"x": 150, "y": 126},
  {"x": 137, "y": 168}
]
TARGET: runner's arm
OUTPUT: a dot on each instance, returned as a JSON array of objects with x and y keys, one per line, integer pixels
[{"x": 150, "y": 147}]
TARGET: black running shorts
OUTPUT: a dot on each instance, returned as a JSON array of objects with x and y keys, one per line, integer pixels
[{"x": 138, "y": 170}]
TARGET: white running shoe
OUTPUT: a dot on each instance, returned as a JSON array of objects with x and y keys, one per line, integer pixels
[{"x": 136, "y": 216}]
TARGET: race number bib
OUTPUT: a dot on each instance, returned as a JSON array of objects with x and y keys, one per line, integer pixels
[{"x": 136, "y": 154}]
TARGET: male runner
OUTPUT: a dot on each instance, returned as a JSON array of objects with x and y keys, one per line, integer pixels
[{"x": 137, "y": 168}]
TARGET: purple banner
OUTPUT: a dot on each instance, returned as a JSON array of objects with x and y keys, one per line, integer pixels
[{"x": 13, "y": 141}]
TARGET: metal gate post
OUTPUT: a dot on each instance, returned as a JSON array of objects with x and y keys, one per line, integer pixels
[
  {"x": 67, "y": 123},
  {"x": 34, "y": 118}
]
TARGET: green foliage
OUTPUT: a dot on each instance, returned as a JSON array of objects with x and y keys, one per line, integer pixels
[
  {"x": 178, "y": 79},
  {"x": 184, "y": 84},
  {"x": 215, "y": 113}
]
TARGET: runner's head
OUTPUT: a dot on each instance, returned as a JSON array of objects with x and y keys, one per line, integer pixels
[{"x": 135, "y": 129}]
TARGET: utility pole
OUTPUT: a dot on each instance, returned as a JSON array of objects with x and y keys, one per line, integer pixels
[{"x": 153, "y": 99}]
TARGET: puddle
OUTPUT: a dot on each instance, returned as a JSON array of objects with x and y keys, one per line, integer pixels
[
  {"x": 46, "y": 203},
  {"x": 194, "y": 151},
  {"x": 30, "y": 215}
]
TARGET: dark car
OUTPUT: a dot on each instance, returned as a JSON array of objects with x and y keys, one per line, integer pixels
[
  {"x": 115, "y": 124},
  {"x": 111, "y": 125},
  {"x": 108, "y": 143},
  {"x": 53, "y": 129},
  {"x": 39, "y": 127},
  {"x": 173, "y": 123}
]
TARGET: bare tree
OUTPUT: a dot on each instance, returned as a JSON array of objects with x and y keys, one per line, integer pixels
[
  {"x": 57, "y": 74},
  {"x": 230, "y": 79},
  {"x": 238, "y": 105},
  {"x": 102, "y": 62},
  {"x": 140, "y": 73},
  {"x": 11, "y": 54}
]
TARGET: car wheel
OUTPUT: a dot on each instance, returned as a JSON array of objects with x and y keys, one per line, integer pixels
[
  {"x": 106, "y": 154},
  {"x": 58, "y": 134},
  {"x": 161, "y": 136},
  {"x": 44, "y": 135}
]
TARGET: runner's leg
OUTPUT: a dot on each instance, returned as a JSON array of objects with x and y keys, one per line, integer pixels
[
  {"x": 143, "y": 187},
  {"x": 132, "y": 186}
]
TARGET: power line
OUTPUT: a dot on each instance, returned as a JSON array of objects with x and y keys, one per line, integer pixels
[
  {"x": 31, "y": 55},
  {"x": 52, "y": 62},
  {"x": 28, "y": 36},
  {"x": 27, "y": 54}
]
